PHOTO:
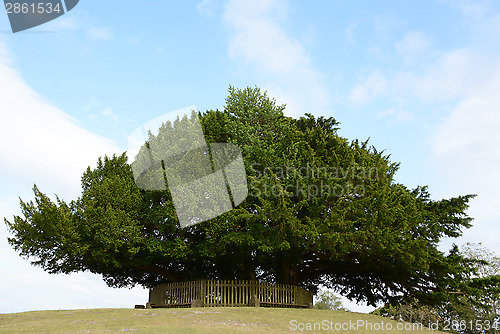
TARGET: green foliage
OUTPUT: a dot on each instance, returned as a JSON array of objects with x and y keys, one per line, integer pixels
[
  {"x": 320, "y": 210},
  {"x": 327, "y": 300},
  {"x": 411, "y": 312},
  {"x": 471, "y": 307}
]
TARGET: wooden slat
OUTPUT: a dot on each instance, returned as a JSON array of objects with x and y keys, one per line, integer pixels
[{"x": 233, "y": 293}]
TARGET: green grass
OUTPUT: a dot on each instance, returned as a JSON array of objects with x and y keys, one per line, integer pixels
[{"x": 195, "y": 320}]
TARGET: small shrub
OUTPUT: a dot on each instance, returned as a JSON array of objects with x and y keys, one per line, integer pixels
[
  {"x": 327, "y": 300},
  {"x": 410, "y": 312}
]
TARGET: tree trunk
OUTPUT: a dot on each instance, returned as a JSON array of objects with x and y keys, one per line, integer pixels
[
  {"x": 288, "y": 273},
  {"x": 247, "y": 268}
]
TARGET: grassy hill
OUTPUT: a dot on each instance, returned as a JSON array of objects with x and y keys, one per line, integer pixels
[{"x": 201, "y": 320}]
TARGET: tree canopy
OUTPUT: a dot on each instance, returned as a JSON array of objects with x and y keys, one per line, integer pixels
[{"x": 320, "y": 210}]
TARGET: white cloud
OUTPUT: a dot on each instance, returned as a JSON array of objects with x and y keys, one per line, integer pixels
[
  {"x": 434, "y": 76},
  {"x": 133, "y": 40},
  {"x": 385, "y": 25},
  {"x": 397, "y": 116},
  {"x": 93, "y": 103},
  {"x": 471, "y": 8},
  {"x": 465, "y": 147},
  {"x": 374, "y": 85},
  {"x": 100, "y": 34},
  {"x": 450, "y": 76},
  {"x": 489, "y": 28},
  {"x": 66, "y": 22},
  {"x": 466, "y": 144},
  {"x": 41, "y": 144},
  {"x": 257, "y": 39},
  {"x": 482, "y": 17},
  {"x": 38, "y": 142},
  {"x": 350, "y": 33},
  {"x": 206, "y": 8},
  {"x": 404, "y": 116},
  {"x": 261, "y": 41},
  {"x": 109, "y": 113},
  {"x": 413, "y": 45},
  {"x": 5, "y": 56}
]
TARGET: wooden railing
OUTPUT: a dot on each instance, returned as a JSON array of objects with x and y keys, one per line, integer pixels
[{"x": 229, "y": 293}]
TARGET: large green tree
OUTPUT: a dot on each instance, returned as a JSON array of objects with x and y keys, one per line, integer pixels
[{"x": 320, "y": 210}]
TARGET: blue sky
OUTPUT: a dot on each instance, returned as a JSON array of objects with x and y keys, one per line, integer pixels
[{"x": 419, "y": 78}]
